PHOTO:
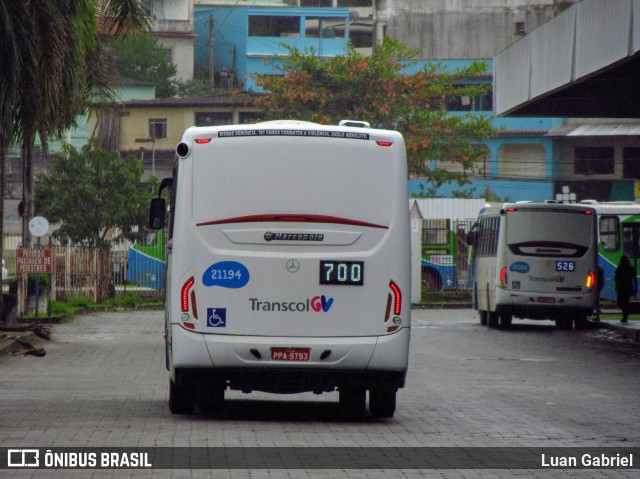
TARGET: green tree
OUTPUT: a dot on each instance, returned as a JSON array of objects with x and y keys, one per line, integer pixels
[
  {"x": 377, "y": 89},
  {"x": 53, "y": 67},
  {"x": 94, "y": 196},
  {"x": 143, "y": 58}
]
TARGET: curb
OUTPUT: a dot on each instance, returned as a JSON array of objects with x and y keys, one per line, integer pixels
[
  {"x": 628, "y": 332},
  {"x": 441, "y": 306}
]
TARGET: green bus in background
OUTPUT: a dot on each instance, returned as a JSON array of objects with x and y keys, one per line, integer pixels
[
  {"x": 445, "y": 254},
  {"x": 147, "y": 261},
  {"x": 618, "y": 234}
]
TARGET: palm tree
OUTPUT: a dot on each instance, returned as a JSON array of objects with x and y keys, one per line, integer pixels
[{"x": 53, "y": 66}]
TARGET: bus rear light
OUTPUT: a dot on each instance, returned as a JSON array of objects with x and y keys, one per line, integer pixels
[
  {"x": 202, "y": 141},
  {"x": 503, "y": 275},
  {"x": 392, "y": 329},
  {"x": 193, "y": 304},
  {"x": 184, "y": 294},
  {"x": 384, "y": 143},
  {"x": 189, "y": 325},
  {"x": 591, "y": 279},
  {"x": 387, "y": 314},
  {"x": 397, "y": 298}
]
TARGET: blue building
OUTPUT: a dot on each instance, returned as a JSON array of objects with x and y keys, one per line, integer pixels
[
  {"x": 249, "y": 40},
  {"x": 519, "y": 164}
]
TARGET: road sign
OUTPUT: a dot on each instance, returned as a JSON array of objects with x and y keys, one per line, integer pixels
[
  {"x": 34, "y": 260},
  {"x": 38, "y": 226}
]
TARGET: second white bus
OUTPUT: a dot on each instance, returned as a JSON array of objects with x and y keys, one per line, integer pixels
[{"x": 535, "y": 261}]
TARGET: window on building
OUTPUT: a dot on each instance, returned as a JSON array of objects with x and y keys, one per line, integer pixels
[
  {"x": 466, "y": 103},
  {"x": 361, "y": 36},
  {"x": 520, "y": 29},
  {"x": 316, "y": 3},
  {"x": 274, "y": 26},
  {"x": 594, "y": 160},
  {"x": 522, "y": 160},
  {"x": 631, "y": 163},
  {"x": 354, "y": 3},
  {"x": 213, "y": 118},
  {"x": 168, "y": 54},
  {"x": 157, "y": 128},
  {"x": 610, "y": 233},
  {"x": 320, "y": 27}
]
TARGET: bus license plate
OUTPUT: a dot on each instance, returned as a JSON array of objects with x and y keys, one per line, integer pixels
[
  {"x": 546, "y": 300},
  {"x": 290, "y": 354}
]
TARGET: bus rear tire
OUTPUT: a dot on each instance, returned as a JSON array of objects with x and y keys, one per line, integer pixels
[
  {"x": 353, "y": 400},
  {"x": 382, "y": 401},
  {"x": 483, "y": 317},
  {"x": 505, "y": 320},
  {"x": 580, "y": 322},
  {"x": 211, "y": 398},
  {"x": 565, "y": 324},
  {"x": 180, "y": 399},
  {"x": 492, "y": 319}
]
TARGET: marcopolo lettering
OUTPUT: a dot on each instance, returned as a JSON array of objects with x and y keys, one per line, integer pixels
[{"x": 268, "y": 236}]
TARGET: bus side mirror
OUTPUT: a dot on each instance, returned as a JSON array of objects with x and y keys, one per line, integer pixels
[
  {"x": 157, "y": 213},
  {"x": 471, "y": 238}
]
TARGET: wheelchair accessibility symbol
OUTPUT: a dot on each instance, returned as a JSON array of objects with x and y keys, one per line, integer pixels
[{"x": 216, "y": 317}]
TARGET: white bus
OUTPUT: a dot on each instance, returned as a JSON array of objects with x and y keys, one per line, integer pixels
[
  {"x": 288, "y": 266},
  {"x": 536, "y": 261}
]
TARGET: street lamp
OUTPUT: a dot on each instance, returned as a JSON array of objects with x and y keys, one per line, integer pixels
[{"x": 153, "y": 152}]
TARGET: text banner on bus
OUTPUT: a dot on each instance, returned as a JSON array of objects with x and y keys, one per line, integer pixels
[{"x": 34, "y": 260}]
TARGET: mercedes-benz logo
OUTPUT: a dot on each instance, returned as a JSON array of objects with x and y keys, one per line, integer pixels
[{"x": 293, "y": 266}]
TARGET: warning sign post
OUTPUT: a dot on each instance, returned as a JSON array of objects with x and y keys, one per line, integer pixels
[{"x": 34, "y": 260}]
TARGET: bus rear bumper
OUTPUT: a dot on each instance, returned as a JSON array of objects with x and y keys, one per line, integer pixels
[
  {"x": 244, "y": 360},
  {"x": 547, "y": 306}
]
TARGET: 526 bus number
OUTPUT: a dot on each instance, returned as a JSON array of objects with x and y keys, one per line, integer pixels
[
  {"x": 342, "y": 272},
  {"x": 565, "y": 266}
]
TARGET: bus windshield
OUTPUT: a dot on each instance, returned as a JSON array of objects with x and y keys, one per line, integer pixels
[{"x": 547, "y": 232}]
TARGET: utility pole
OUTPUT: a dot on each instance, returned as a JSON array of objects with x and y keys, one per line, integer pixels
[{"x": 211, "y": 68}]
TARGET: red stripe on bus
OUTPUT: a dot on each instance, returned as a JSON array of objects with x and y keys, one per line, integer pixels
[{"x": 292, "y": 218}]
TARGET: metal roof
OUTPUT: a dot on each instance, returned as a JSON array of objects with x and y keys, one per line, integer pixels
[
  {"x": 244, "y": 99},
  {"x": 597, "y": 130},
  {"x": 583, "y": 63},
  {"x": 452, "y": 208}
]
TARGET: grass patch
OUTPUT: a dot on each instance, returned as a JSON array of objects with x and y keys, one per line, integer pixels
[
  {"x": 456, "y": 296},
  {"x": 63, "y": 308}
]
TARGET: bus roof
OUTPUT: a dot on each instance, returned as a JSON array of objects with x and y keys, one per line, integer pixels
[{"x": 500, "y": 208}]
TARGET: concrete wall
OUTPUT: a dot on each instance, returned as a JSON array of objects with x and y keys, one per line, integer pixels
[{"x": 463, "y": 29}]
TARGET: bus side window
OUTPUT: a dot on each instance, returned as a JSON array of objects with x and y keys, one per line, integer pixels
[{"x": 610, "y": 233}]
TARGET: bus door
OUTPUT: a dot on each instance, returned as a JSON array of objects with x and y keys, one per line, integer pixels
[{"x": 631, "y": 242}]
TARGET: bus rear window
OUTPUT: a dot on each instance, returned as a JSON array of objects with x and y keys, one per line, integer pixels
[{"x": 550, "y": 226}]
